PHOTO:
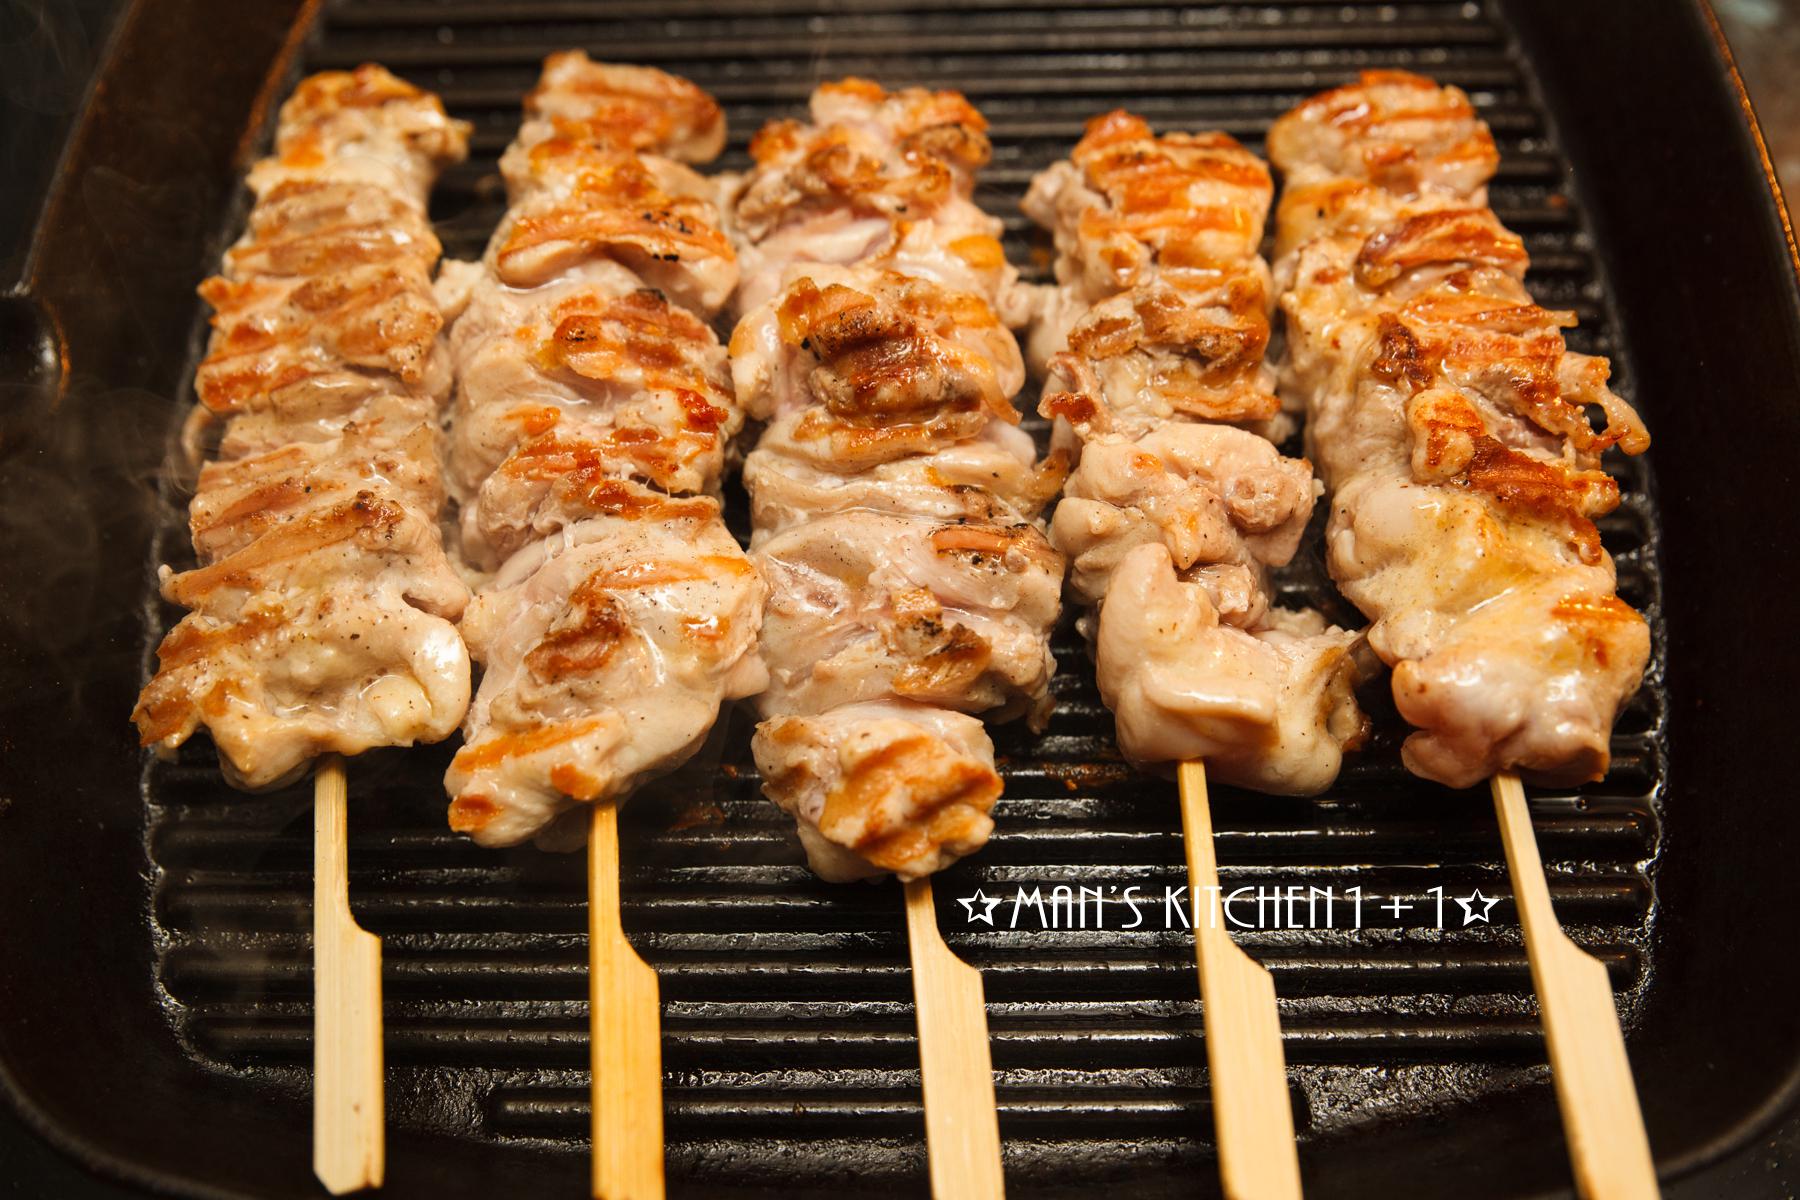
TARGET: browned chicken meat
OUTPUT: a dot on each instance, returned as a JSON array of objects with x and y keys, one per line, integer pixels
[
  {"x": 323, "y": 604},
  {"x": 593, "y": 410},
  {"x": 606, "y": 651},
  {"x": 894, "y": 498},
  {"x": 1453, "y": 427},
  {"x": 883, "y": 785},
  {"x": 1162, "y": 296},
  {"x": 613, "y": 106},
  {"x": 876, "y": 178},
  {"x": 1152, "y": 345}
]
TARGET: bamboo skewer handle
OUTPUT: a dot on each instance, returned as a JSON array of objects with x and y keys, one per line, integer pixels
[
  {"x": 1607, "y": 1144},
  {"x": 1253, "y": 1120},
  {"x": 962, "y": 1126},
  {"x": 349, "y": 1142},
  {"x": 625, "y": 1035}
]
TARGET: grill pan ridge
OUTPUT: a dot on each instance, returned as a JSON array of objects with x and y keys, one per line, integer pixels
[
  {"x": 790, "y": 1064},
  {"x": 787, "y": 1020}
]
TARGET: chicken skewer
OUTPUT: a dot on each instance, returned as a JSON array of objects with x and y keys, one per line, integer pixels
[
  {"x": 1451, "y": 423},
  {"x": 320, "y": 622},
  {"x": 894, "y": 504},
  {"x": 1151, "y": 344},
  {"x": 593, "y": 410}
]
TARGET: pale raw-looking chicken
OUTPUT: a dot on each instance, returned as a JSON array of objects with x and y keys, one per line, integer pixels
[
  {"x": 1152, "y": 345},
  {"x": 867, "y": 605},
  {"x": 323, "y": 609},
  {"x": 1271, "y": 709},
  {"x": 593, "y": 412},
  {"x": 995, "y": 477},
  {"x": 877, "y": 178},
  {"x": 1452, "y": 425},
  {"x": 895, "y": 501}
]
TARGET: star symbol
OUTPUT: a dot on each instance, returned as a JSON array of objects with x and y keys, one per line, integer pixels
[
  {"x": 988, "y": 905},
  {"x": 1468, "y": 903}
]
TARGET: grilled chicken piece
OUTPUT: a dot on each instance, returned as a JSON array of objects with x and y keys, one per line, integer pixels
[
  {"x": 284, "y": 676},
  {"x": 329, "y": 631},
  {"x": 572, "y": 383},
  {"x": 875, "y": 347},
  {"x": 587, "y": 192},
  {"x": 1162, "y": 300},
  {"x": 274, "y": 333},
  {"x": 364, "y": 125},
  {"x": 864, "y": 606},
  {"x": 1270, "y": 709},
  {"x": 593, "y": 412},
  {"x": 881, "y": 786},
  {"x": 1452, "y": 425},
  {"x": 241, "y": 500},
  {"x": 326, "y": 316},
  {"x": 322, "y": 612},
  {"x": 878, "y": 178},
  {"x": 1152, "y": 343},
  {"x": 995, "y": 477},
  {"x": 893, "y": 495},
  {"x": 615, "y": 207},
  {"x": 304, "y": 414},
  {"x": 608, "y": 651},
  {"x": 1214, "y": 496},
  {"x": 616, "y": 107}
]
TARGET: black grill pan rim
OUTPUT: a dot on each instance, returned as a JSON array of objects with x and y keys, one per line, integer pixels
[{"x": 137, "y": 1172}]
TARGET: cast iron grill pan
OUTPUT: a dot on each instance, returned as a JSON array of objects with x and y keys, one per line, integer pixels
[{"x": 788, "y": 1030}]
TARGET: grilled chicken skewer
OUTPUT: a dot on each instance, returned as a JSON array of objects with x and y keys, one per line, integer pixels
[
  {"x": 1151, "y": 344},
  {"x": 593, "y": 410},
  {"x": 322, "y": 608},
  {"x": 895, "y": 505},
  {"x": 1452, "y": 425}
]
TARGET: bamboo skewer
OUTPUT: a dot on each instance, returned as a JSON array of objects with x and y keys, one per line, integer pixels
[
  {"x": 1254, "y": 1123},
  {"x": 349, "y": 1142},
  {"x": 1607, "y": 1143},
  {"x": 625, "y": 1035},
  {"x": 962, "y": 1125}
]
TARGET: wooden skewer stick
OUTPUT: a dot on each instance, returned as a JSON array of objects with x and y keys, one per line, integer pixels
[
  {"x": 1607, "y": 1144},
  {"x": 962, "y": 1125},
  {"x": 349, "y": 1141},
  {"x": 1254, "y": 1124},
  {"x": 625, "y": 1035}
]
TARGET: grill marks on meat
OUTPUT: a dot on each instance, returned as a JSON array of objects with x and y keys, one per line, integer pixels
[
  {"x": 607, "y": 652},
  {"x": 583, "y": 379},
  {"x": 1459, "y": 435},
  {"x": 1162, "y": 308},
  {"x": 612, "y": 204},
  {"x": 616, "y": 107},
  {"x": 883, "y": 786},
  {"x": 1152, "y": 344},
  {"x": 594, "y": 408},
  {"x": 322, "y": 608},
  {"x": 875, "y": 178},
  {"x": 868, "y": 366},
  {"x": 893, "y": 496}
]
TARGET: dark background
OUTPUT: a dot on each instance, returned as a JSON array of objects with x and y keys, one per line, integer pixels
[{"x": 48, "y": 49}]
